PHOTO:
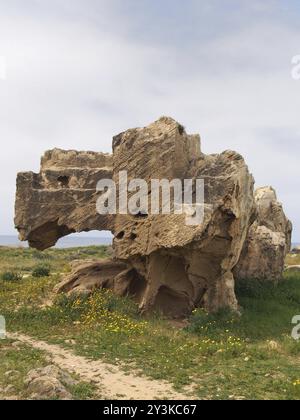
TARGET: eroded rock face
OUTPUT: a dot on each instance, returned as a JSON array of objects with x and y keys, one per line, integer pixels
[
  {"x": 161, "y": 261},
  {"x": 268, "y": 241},
  {"x": 183, "y": 266},
  {"x": 90, "y": 275},
  {"x": 61, "y": 199}
]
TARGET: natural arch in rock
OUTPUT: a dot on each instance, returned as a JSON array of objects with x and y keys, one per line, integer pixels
[{"x": 159, "y": 260}]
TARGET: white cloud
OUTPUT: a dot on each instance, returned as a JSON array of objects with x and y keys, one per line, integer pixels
[{"x": 3, "y": 68}]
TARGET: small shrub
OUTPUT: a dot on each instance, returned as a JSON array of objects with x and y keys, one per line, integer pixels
[
  {"x": 11, "y": 276},
  {"x": 41, "y": 271}
]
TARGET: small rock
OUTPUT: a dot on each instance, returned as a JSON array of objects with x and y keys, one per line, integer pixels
[
  {"x": 16, "y": 344},
  {"x": 273, "y": 345},
  {"x": 72, "y": 342},
  {"x": 49, "y": 383},
  {"x": 11, "y": 373},
  {"x": 47, "y": 387},
  {"x": 9, "y": 389}
]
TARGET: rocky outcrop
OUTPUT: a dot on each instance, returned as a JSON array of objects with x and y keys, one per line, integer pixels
[
  {"x": 87, "y": 276},
  {"x": 61, "y": 199},
  {"x": 50, "y": 382},
  {"x": 163, "y": 262},
  {"x": 268, "y": 240}
]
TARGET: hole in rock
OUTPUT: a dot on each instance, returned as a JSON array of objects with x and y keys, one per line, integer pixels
[
  {"x": 141, "y": 214},
  {"x": 120, "y": 235},
  {"x": 137, "y": 287},
  {"x": 181, "y": 129},
  {"x": 64, "y": 181},
  {"x": 86, "y": 239},
  {"x": 174, "y": 295},
  {"x": 171, "y": 303}
]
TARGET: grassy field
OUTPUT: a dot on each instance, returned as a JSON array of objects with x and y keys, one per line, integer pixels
[
  {"x": 214, "y": 357},
  {"x": 293, "y": 259},
  {"x": 17, "y": 360}
]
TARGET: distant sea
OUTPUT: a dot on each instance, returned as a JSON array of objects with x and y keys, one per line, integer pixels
[
  {"x": 71, "y": 241},
  {"x": 67, "y": 242}
]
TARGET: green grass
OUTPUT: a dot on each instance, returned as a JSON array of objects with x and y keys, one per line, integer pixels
[
  {"x": 266, "y": 311},
  {"x": 41, "y": 270},
  {"x": 293, "y": 259},
  {"x": 220, "y": 356},
  {"x": 11, "y": 276},
  {"x": 26, "y": 259},
  {"x": 21, "y": 360},
  {"x": 17, "y": 361}
]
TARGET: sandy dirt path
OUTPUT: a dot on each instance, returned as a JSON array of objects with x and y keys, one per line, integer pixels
[{"x": 111, "y": 381}]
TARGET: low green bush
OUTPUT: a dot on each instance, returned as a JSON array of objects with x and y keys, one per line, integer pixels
[
  {"x": 11, "y": 276},
  {"x": 41, "y": 271}
]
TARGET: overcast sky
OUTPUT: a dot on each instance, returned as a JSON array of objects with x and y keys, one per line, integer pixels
[{"x": 81, "y": 71}]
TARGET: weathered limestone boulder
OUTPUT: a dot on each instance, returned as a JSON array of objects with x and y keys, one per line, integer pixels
[
  {"x": 61, "y": 199},
  {"x": 181, "y": 266},
  {"x": 164, "y": 263},
  {"x": 268, "y": 241}
]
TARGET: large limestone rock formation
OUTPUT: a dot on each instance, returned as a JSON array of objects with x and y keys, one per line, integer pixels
[
  {"x": 268, "y": 241},
  {"x": 61, "y": 199},
  {"x": 161, "y": 261}
]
